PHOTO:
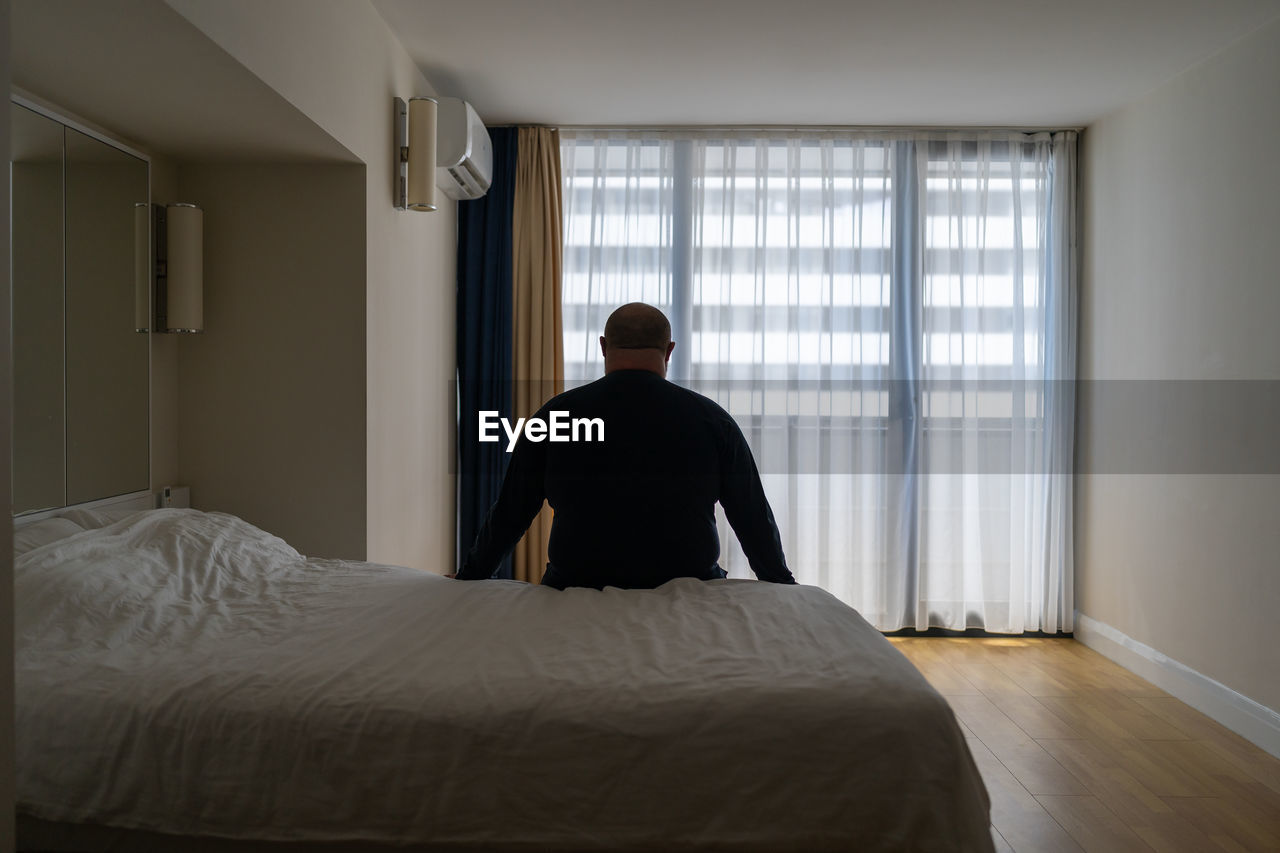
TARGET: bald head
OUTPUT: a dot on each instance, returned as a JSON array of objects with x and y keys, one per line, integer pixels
[
  {"x": 637, "y": 326},
  {"x": 636, "y": 337}
]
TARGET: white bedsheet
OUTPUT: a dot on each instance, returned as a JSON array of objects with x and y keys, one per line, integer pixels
[{"x": 187, "y": 673}]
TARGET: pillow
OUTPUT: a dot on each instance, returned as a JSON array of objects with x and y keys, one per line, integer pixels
[{"x": 27, "y": 537}]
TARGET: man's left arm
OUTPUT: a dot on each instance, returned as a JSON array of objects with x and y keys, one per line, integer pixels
[
  {"x": 748, "y": 512},
  {"x": 510, "y": 516}
]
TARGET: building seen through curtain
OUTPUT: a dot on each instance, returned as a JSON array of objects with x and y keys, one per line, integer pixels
[{"x": 891, "y": 319}]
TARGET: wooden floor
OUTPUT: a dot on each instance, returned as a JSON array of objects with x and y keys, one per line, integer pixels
[{"x": 1078, "y": 753}]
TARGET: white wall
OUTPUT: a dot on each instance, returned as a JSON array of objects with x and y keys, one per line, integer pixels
[
  {"x": 271, "y": 421},
  {"x": 340, "y": 65},
  {"x": 1178, "y": 542}
]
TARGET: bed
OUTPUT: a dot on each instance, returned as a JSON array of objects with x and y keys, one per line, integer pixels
[{"x": 185, "y": 680}]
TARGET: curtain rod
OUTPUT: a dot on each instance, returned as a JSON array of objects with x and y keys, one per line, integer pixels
[{"x": 816, "y": 128}]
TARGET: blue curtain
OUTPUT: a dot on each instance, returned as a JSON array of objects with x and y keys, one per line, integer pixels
[{"x": 484, "y": 338}]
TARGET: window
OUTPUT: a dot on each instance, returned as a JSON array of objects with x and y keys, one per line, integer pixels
[{"x": 891, "y": 321}]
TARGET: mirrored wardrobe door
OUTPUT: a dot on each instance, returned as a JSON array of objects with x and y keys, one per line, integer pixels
[
  {"x": 106, "y": 355},
  {"x": 39, "y": 394}
]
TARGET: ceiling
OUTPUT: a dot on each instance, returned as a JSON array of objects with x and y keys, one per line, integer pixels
[
  {"x": 1006, "y": 63},
  {"x": 139, "y": 65}
]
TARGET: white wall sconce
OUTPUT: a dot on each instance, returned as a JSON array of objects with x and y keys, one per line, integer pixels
[
  {"x": 416, "y": 154},
  {"x": 179, "y": 293}
]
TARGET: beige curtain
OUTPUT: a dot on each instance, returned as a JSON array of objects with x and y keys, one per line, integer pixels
[{"x": 536, "y": 320}]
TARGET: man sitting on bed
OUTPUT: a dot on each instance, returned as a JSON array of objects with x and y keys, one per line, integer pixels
[{"x": 638, "y": 508}]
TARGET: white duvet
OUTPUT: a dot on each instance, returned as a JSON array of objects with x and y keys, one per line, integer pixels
[{"x": 187, "y": 673}]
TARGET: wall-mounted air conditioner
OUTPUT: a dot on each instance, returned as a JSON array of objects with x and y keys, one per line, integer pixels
[{"x": 464, "y": 155}]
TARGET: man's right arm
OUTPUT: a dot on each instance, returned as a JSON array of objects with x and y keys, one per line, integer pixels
[{"x": 518, "y": 503}]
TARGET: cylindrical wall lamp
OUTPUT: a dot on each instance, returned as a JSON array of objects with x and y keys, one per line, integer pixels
[
  {"x": 184, "y": 303},
  {"x": 179, "y": 268},
  {"x": 416, "y": 146}
]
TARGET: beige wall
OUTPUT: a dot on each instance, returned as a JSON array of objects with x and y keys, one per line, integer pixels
[
  {"x": 271, "y": 423},
  {"x": 1181, "y": 208},
  {"x": 339, "y": 64}
]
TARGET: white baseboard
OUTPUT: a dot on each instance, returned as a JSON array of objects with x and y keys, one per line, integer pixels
[{"x": 1251, "y": 720}]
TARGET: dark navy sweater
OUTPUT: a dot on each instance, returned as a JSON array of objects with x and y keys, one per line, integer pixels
[{"x": 638, "y": 508}]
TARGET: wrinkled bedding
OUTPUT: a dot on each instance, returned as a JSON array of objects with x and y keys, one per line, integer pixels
[{"x": 187, "y": 673}]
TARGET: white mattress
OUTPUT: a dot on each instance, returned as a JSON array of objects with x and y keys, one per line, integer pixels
[{"x": 187, "y": 673}]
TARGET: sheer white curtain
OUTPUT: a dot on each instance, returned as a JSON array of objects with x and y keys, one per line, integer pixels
[
  {"x": 617, "y": 236},
  {"x": 890, "y": 317},
  {"x": 996, "y": 381}
]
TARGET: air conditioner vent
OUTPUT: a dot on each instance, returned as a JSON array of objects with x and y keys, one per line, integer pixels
[{"x": 464, "y": 153}]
